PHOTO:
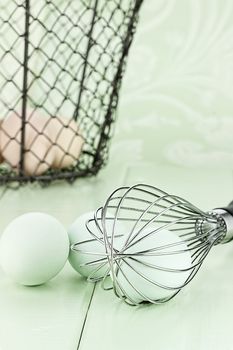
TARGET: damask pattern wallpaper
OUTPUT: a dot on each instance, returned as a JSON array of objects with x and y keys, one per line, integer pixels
[{"x": 177, "y": 97}]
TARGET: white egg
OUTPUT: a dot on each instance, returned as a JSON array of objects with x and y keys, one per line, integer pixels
[
  {"x": 137, "y": 288},
  {"x": 88, "y": 248},
  {"x": 33, "y": 248},
  {"x": 78, "y": 233}
]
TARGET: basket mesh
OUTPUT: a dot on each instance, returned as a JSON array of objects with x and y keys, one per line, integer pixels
[{"x": 61, "y": 61}]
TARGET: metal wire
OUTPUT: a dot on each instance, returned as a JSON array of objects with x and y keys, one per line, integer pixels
[
  {"x": 138, "y": 262},
  {"x": 63, "y": 58}
]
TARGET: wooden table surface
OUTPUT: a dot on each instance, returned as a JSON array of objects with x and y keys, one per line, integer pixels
[
  {"x": 175, "y": 106},
  {"x": 69, "y": 313}
]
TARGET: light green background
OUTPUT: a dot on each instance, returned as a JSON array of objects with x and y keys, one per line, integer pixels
[{"x": 177, "y": 98}]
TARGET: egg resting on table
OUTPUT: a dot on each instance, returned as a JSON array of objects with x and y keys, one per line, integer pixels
[
  {"x": 89, "y": 256},
  {"x": 85, "y": 242},
  {"x": 34, "y": 247}
]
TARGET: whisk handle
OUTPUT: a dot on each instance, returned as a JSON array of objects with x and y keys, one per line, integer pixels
[
  {"x": 229, "y": 208},
  {"x": 227, "y": 215}
]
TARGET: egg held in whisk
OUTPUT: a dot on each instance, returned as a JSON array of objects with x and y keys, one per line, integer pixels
[{"x": 150, "y": 270}]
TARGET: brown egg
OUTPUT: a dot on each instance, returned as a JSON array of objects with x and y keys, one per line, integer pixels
[
  {"x": 39, "y": 158},
  {"x": 38, "y": 155},
  {"x": 1, "y": 157},
  {"x": 49, "y": 142},
  {"x": 10, "y": 139},
  {"x": 68, "y": 142}
]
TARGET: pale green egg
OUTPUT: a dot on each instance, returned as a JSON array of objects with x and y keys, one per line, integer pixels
[{"x": 33, "y": 248}]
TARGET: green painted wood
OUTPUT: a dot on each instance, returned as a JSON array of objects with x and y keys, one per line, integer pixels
[
  {"x": 51, "y": 316},
  {"x": 200, "y": 317}
]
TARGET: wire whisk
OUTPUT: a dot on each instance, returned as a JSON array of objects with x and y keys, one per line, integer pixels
[{"x": 152, "y": 243}]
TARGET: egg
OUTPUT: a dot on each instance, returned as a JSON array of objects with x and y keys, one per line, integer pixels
[
  {"x": 138, "y": 288},
  {"x": 67, "y": 142},
  {"x": 49, "y": 142},
  {"x": 38, "y": 156},
  {"x": 79, "y": 235},
  {"x": 87, "y": 249},
  {"x": 10, "y": 139},
  {"x": 34, "y": 247},
  {"x": 1, "y": 157}
]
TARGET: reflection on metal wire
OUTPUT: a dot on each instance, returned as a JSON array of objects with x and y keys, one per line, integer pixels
[{"x": 141, "y": 266}]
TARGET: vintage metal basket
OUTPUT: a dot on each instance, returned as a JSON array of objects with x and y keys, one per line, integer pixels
[{"x": 61, "y": 59}]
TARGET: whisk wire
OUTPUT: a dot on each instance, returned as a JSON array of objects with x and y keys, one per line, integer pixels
[{"x": 131, "y": 225}]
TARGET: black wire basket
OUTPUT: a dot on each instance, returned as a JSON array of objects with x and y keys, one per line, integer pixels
[{"x": 61, "y": 66}]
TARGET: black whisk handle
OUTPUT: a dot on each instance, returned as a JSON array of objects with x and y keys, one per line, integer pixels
[{"x": 229, "y": 208}]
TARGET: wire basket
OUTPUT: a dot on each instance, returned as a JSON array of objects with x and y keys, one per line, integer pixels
[{"x": 61, "y": 66}]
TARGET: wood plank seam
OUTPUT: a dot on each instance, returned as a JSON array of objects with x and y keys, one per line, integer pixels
[
  {"x": 126, "y": 172},
  {"x": 3, "y": 192},
  {"x": 86, "y": 315}
]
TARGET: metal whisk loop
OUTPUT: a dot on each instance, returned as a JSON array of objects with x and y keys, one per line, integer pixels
[{"x": 154, "y": 242}]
